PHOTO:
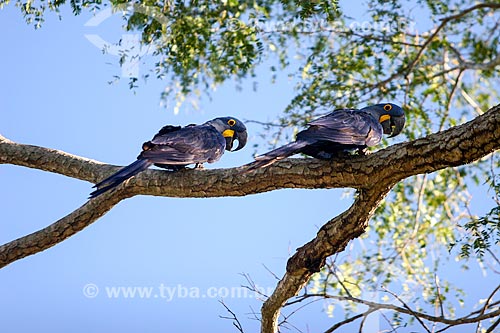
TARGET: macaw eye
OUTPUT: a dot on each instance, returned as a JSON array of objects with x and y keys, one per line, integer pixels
[
  {"x": 231, "y": 122},
  {"x": 388, "y": 107}
]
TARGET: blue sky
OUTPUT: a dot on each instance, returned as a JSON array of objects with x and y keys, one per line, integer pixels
[{"x": 54, "y": 93}]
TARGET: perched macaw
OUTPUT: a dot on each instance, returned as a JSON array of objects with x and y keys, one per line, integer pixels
[
  {"x": 174, "y": 147},
  {"x": 339, "y": 131}
]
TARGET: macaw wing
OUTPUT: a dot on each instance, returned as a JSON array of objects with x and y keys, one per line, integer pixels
[
  {"x": 191, "y": 144},
  {"x": 345, "y": 126},
  {"x": 166, "y": 129},
  {"x": 170, "y": 134}
]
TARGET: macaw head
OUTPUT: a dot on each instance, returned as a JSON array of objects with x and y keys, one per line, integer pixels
[
  {"x": 390, "y": 116},
  {"x": 231, "y": 129}
]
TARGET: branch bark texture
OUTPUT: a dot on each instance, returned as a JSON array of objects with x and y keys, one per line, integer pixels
[
  {"x": 456, "y": 146},
  {"x": 373, "y": 176}
]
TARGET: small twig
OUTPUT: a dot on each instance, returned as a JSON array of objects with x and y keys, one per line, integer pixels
[
  {"x": 497, "y": 303},
  {"x": 493, "y": 180},
  {"x": 440, "y": 302},
  {"x": 270, "y": 124},
  {"x": 344, "y": 322},
  {"x": 413, "y": 313},
  {"x": 233, "y": 317},
  {"x": 494, "y": 258},
  {"x": 330, "y": 272},
  {"x": 341, "y": 283},
  {"x": 271, "y": 272},
  {"x": 420, "y": 203},
  {"x": 252, "y": 286},
  {"x": 394, "y": 329},
  {"x": 362, "y": 323},
  {"x": 445, "y": 21},
  {"x": 254, "y": 314},
  {"x": 450, "y": 96},
  {"x": 471, "y": 318},
  {"x": 285, "y": 318},
  {"x": 486, "y": 305},
  {"x": 492, "y": 327}
]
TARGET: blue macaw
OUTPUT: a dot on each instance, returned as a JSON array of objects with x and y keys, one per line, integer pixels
[
  {"x": 339, "y": 131},
  {"x": 174, "y": 147}
]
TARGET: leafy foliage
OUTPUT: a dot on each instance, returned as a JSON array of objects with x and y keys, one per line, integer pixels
[
  {"x": 483, "y": 233},
  {"x": 420, "y": 54},
  {"x": 198, "y": 43},
  {"x": 445, "y": 76}
]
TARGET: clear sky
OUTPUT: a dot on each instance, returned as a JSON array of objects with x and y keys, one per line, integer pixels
[{"x": 54, "y": 93}]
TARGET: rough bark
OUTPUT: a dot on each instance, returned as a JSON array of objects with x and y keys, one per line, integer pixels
[
  {"x": 373, "y": 176},
  {"x": 457, "y": 146}
]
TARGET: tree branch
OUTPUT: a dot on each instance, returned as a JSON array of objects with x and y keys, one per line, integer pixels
[
  {"x": 59, "y": 230},
  {"x": 52, "y": 160},
  {"x": 405, "y": 309},
  {"x": 444, "y": 22},
  {"x": 458, "y": 145},
  {"x": 331, "y": 238},
  {"x": 405, "y": 70},
  {"x": 373, "y": 175}
]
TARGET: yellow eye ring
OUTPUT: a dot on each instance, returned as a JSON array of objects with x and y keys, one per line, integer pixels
[
  {"x": 231, "y": 122},
  {"x": 388, "y": 107}
]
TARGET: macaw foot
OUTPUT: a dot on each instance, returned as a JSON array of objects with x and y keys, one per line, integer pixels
[{"x": 364, "y": 151}]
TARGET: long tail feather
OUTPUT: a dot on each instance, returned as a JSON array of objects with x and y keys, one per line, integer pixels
[
  {"x": 276, "y": 155},
  {"x": 119, "y": 177}
]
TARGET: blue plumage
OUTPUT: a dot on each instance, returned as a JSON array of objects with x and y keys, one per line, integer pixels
[
  {"x": 339, "y": 131},
  {"x": 174, "y": 147}
]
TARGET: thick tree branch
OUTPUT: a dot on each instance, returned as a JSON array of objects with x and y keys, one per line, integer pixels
[
  {"x": 51, "y": 160},
  {"x": 331, "y": 238},
  {"x": 456, "y": 146},
  {"x": 373, "y": 175},
  {"x": 59, "y": 230}
]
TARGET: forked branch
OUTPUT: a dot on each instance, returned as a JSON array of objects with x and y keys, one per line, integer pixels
[{"x": 373, "y": 176}]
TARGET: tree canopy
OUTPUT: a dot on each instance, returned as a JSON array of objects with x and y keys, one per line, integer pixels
[{"x": 439, "y": 59}]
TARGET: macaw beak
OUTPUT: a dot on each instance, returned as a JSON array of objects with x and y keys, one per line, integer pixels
[
  {"x": 393, "y": 125},
  {"x": 397, "y": 125},
  {"x": 231, "y": 135}
]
